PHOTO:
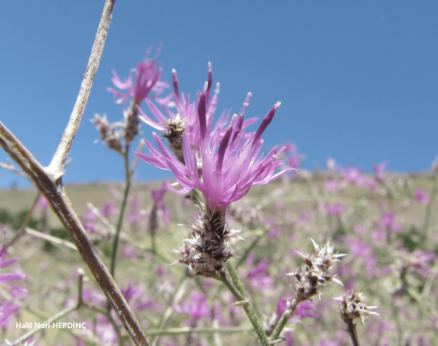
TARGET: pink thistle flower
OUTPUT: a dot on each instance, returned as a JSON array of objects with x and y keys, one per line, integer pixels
[
  {"x": 379, "y": 170},
  {"x": 228, "y": 166},
  {"x": 421, "y": 196},
  {"x": 147, "y": 79}
]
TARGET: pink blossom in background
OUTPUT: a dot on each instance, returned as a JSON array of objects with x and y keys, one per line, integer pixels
[
  {"x": 42, "y": 203},
  {"x": 421, "y": 196},
  {"x": 197, "y": 307},
  {"x": 359, "y": 229},
  {"x": 332, "y": 185},
  {"x": 258, "y": 276},
  {"x": 157, "y": 196},
  {"x": 419, "y": 261},
  {"x": 334, "y": 209},
  {"x": 109, "y": 210},
  {"x": 129, "y": 251},
  {"x": 105, "y": 331},
  {"x": 147, "y": 79},
  {"x": 331, "y": 163},
  {"x": 387, "y": 221},
  {"x": 351, "y": 174},
  {"x": 305, "y": 309},
  {"x": 379, "y": 170}
]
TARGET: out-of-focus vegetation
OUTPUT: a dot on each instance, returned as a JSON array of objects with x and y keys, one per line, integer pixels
[{"x": 390, "y": 238}]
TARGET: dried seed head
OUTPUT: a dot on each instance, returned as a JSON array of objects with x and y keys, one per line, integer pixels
[
  {"x": 314, "y": 274},
  {"x": 132, "y": 123},
  {"x": 209, "y": 248},
  {"x": 108, "y": 133},
  {"x": 175, "y": 130},
  {"x": 353, "y": 307}
]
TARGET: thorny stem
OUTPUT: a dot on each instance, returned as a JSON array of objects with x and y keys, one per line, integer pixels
[
  {"x": 47, "y": 181},
  {"x": 56, "y": 317},
  {"x": 283, "y": 320},
  {"x": 122, "y": 210},
  {"x": 25, "y": 222},
  {"x": 351, "y": 329},
  {"x": 247, "y": 306}
]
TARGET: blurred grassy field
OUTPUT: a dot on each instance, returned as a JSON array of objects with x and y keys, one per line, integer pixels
[{"x": 49, "y": 287}]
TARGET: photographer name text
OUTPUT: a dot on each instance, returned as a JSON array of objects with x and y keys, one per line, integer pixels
[{"x": 54, "y": 325}]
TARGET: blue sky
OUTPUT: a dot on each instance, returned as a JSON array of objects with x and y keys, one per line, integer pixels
[{"x": 357, "y": 80}]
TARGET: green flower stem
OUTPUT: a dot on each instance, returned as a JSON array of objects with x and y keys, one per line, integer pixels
[
  {"x": 283, "y": 320},
  {"x": 122, "y": 210},
  {"x": 187, "y": 330},
  {"x": 249, "y": 249},
  {"x": 351, "y": 329},
  {"x": 239, "y": 293},
  {"x": 22, "y": 230},
  {"x": 168, "y": 309}
]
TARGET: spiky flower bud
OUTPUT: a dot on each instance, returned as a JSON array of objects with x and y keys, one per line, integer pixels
[
  {"x": 132, "y": 123},
  {"x": 353, "y": 307},
  {"x": 175, "y": 127},
  {"x": 314, "y": 274},
  {"x": 108, "y": 133},
  {"x": 209, "y": 248}
]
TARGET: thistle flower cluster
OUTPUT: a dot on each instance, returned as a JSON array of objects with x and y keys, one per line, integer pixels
[
  {"x": 353, "y": 307},
  {"x": 315, "y": 273}
]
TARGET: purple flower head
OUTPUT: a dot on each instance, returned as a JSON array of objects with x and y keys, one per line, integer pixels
[
  {"x": 147, "y": 79},
  {"x": 225, "y": 166},
  {"x": 421, "y": 196}
]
